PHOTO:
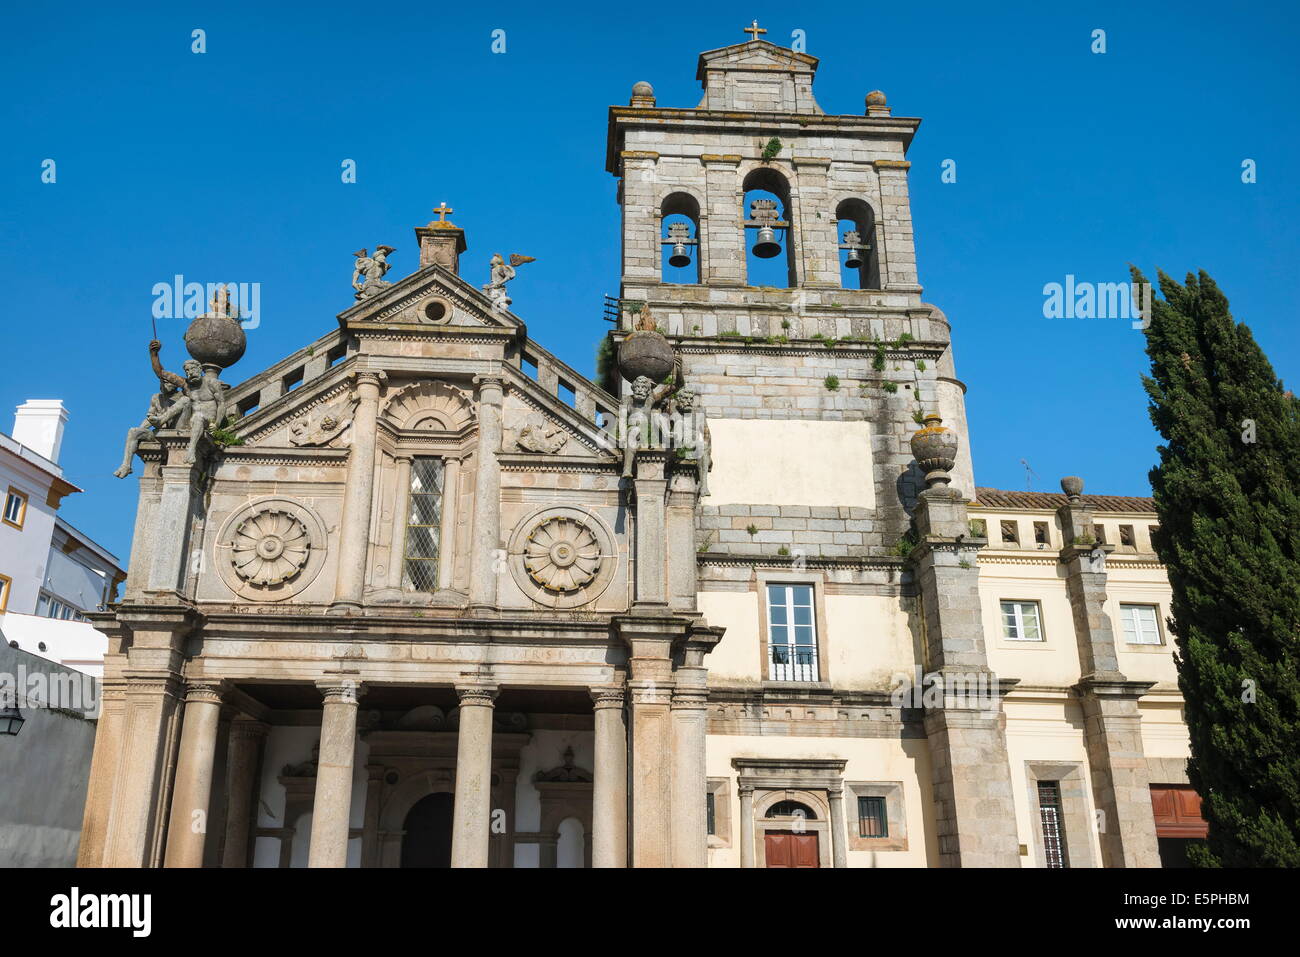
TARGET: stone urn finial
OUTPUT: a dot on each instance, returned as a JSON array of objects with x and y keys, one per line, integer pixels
[
  {"x": 216, "y": 338},
  {"x": 934, "y": 446},
  {"x": 1072, "y": 486},
  {"x": 645, "y": 352}
]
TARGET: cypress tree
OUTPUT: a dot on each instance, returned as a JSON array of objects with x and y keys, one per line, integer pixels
[{"x": 1229, "y": 504}]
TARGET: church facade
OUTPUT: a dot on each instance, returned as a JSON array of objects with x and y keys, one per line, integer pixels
[{"x": 429, "y": 596}]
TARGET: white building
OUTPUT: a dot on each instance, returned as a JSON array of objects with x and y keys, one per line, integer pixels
[{"x": 51, "y": 574}]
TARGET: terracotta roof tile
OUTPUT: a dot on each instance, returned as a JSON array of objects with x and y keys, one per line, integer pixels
[{"x": 1005, "y": 498}]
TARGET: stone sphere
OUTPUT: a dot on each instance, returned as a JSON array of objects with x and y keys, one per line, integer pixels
[
  {"x": 934, "y": 446},
  {"x": 216, "y": 340},
  {"x": 646, "y": 353},
  {"x": 642, "y": 88},
  {"x": 875, "y": 98}
]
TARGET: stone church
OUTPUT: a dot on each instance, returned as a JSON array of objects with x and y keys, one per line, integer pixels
[{"x": 421, "y": 594}]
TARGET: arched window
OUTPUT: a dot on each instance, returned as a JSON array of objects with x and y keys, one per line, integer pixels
[
  {"x": 769, "y": 258},
  {"x": 679, "y": 238},
  {"x": 791, "y": 809},
  {"x": 859, "y": 258}
]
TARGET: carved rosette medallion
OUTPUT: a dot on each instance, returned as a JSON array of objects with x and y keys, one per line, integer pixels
[
  {"x": 270, "y": 549},
  {"x": 562, "y": 555}
]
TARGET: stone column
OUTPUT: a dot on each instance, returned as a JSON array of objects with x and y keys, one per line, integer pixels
[
  {"x": 358, "y": 496},
  {"x": 370, "y": 828},
  {"x": 192, "y": 794},
  {"x": 487, "y": 497},
  {"x": 332, "y": 807},
  {"x": 104, "y": 761},
  {"x": 641, "y": 249},
  {"x": 690, "y": 782},
  {"x": 401, "y": 507},
  {"x": 609, "y": 780},
  {"x": 818, "y": 237},
  {"x": 152, "y": 696},
  {"x": 651, "y": 510},
  {"x": 723, "y": 238},
  {"x": 169, "y": 531},
  {"x": 447, "y": 546},
  {"x": 970, "y": 769},
  {"x": 1121, "y": 784},
  {"x": 746, "y": 825},
  {"x": 472, "y": 816},
  {"x": 839, "y": 852},
  {"x": 650, "y": 689},
  {"x": 898, "y": 271},
  {"x": 244, "y": 761}
]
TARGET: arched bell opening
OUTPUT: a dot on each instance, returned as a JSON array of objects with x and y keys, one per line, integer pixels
[
  {"x": 769, "y": 256},
  {"x": 859, "y": 258},
  {"x": 679, "y": 224}
]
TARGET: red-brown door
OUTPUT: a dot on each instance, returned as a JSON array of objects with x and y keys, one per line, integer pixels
[
  {"x": 1177, "y": 810},
  {"x": 788, "y": 849}
]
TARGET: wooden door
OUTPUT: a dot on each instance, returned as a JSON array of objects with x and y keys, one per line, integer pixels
[{"x": 788, "y": 849}]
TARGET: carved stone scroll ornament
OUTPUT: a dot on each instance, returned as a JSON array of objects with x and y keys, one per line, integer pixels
[
  {"x": 322, "y": 425},
  {"x": 538, "y": 434},
  {"x": 562, "y": 554}
]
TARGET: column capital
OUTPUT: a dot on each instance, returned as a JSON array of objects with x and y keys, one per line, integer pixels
[
  {"x": 375, "y": 377},
  {"x": 744, "y": 788},
  {"x": 340, "y": 690},
  {"x": 489, "y": 381},
  {"x": 249, "y": 729},
  {"x": 206, "y": 691},
  {"x": 608, "y": 697},
  {"x": 477, "y": 695}
]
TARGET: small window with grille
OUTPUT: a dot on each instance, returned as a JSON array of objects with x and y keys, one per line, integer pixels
[
  {"x": 872, "y": 819},
  {"x": 711, "y": 812},
  {"x": 1053, "y": 824},
  {"x": 423, "y": 523}
]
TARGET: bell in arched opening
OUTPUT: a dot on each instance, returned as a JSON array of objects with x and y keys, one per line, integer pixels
[
  {"x": 763, "y": 212},
  {"x": 679, "y": 236},
  {"x": 853, "y": 242}
]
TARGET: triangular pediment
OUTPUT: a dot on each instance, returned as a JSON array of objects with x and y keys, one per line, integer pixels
[
  {"x": 759, "y": 55},
  {"x": 432, "y": 296}
]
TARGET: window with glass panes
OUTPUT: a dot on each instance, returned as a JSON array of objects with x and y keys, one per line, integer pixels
[
  {"x": 1140, "y": 624},
  {"x": 791, "y": 633},
  {"x": 423, "y": 522},
  {"x": 1020, "y": 621}
]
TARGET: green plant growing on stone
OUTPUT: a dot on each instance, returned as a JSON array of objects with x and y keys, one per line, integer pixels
[
  {"x": 223, "y": 435},
  {"x": 783, "y": 551},
  {"x": 878, "y": 360},
  {"x": 903, "y": 547},
  {"x": 918, "y": 416},
  {"x": 752, "y": 529},
  {"x": 785, "y": 323},
  {"x": 831, "y": 382},
  {"x": 920, "y": 365},
  {"x": 979, "y": 528},
  {"x": 890, "y": 387},
  {"x": 1229, "y": 504},
  {"x": 1084, "y": 540},
  {"x": 607, "y": 365},
  {"x": 771, "y": 148},
  {"x": 964, "y": 563},
  {"x": 705, "y": 545}
]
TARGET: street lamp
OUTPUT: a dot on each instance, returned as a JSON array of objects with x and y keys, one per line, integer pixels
[{"x": 11, "y": 719}]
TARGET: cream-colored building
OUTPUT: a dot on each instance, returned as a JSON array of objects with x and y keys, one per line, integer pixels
[{"x": 428, "y": 611}]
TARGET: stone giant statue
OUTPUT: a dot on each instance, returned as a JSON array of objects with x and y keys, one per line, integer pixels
[
  {"x": 171, "y": 389},
  {"x": 368, "y": 274}
]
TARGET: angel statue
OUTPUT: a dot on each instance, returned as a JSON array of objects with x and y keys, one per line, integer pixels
[
  {"x": 502, "y": 273},
  {"x": 368, "y": 275}
]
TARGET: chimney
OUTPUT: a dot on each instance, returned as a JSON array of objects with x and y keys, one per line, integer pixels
[{"x": 38, "y": 424}]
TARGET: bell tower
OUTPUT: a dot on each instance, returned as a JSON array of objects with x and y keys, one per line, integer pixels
[{"x": 772, "y": 244}]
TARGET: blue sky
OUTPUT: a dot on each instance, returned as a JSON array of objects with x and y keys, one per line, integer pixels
[{"x": 226, "y": 166}]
